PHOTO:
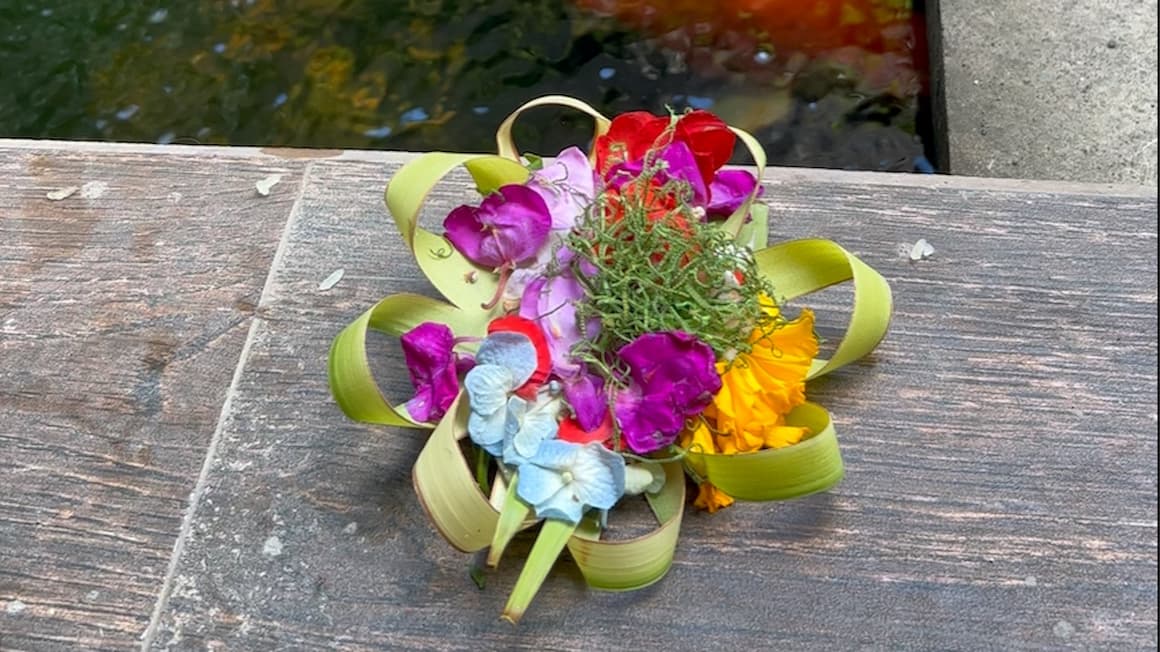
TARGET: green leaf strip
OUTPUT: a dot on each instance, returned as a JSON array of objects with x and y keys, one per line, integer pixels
[
  {"x": 351, "y": 382},
  {"x": 634, "y": 563},
  {"x": 754, "y": 234},
  {"x": 446, "y": 486},
  {"x": 506, "y": 146},
  {"x": 812, "y": 465},
  {"x": 461, "y": 281},
  {"x": 491, "y": 172},
  {"x": 549, "y": 544},
  {"x": 800, "y": 267},
  {"x": 736, "y": 221},
  {"x": 511, "y": 520}
]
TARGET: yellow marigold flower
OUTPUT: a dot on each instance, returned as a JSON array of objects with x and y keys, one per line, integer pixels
[
  {"x": 711, "y": 498},
  {"x": 760, "y": 387},
  {"x": 758, "y": 390},
  {"x": 699, "y": 439},
  {"x": 758, "y": 436}
]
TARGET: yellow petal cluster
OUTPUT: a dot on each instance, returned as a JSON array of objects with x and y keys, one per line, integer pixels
[
  {"x": 711, "y": 498},
  {"x": 758, "y": 390}
]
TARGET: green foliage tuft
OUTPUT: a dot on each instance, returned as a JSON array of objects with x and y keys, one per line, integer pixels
[{"x": 660, "y": 268}]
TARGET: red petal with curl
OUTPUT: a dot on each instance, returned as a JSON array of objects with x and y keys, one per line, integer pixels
[
  {"x": 629, "y": 137},
  {"x": 710, "y": 140}
]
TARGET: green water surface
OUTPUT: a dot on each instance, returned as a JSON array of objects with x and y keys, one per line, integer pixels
[{"x": 395, "y": 74}]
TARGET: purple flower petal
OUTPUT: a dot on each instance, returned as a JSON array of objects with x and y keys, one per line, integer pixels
[
  {"x": 648, "y": 423},
  {"x": 567, "y": 185},
  {"x": 679, "y": 164},
  {"x": 728, "y": 190},
  {"x": 674, "y": 363},
  {"x": 508, "y": 227},
  {"x": 674, "y": 377},
  {"x": 427, "y": 350},
  {"x": 585, "y": 394},
  {"x": 551, "y": 302}
]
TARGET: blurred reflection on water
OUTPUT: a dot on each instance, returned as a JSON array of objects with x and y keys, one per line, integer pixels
[{"x": 441, "y": 74}]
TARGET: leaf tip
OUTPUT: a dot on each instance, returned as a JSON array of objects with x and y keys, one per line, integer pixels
[
  {"x": 493, "y": 556},
  {"x": 511, "y": 617},
  {"x": 475, "y": 571}
]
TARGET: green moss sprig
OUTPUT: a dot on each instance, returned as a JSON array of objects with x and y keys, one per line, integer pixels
[{"x": 663, "y": 269}]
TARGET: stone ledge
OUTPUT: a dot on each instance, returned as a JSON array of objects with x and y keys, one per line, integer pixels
[{"x": 1001, "y": 490}]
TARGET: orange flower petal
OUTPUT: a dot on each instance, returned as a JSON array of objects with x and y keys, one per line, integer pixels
[{"x": 711, "y": 498}]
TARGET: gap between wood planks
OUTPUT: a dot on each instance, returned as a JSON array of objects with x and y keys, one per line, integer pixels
[{"x": 150, "y": 633}]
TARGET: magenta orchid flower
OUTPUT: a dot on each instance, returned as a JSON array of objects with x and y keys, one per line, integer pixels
[
  {"x": 674, "y": 377},
  {"x": 434, "y": 369},
  {"x": 508, "y": 229}
]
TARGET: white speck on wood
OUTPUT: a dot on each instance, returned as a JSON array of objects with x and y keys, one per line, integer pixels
[
  {"x": 350, "y": 528},
  {"x": 94, "y": 190},
  {"x": 266, "y": 185},
  {"x": 15, "y": 607},
  {"x": 272, "y": 547},
  {"x": 63, "y": 193},
  {"x": 1031, "y": 580},
  {"x": 921, "y": 250},
  {"x": 92, "y": 596},
  {"x": 1063, "y": 629},
  {"x": 332, "y": 280}
]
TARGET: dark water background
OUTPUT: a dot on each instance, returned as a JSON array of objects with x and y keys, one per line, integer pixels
[{"x": 420, "y": 75}]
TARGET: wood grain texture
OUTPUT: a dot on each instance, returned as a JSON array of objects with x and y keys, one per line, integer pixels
[
  {"x": 123, "y": 310},
  {"x": 1001, "y": 447}
]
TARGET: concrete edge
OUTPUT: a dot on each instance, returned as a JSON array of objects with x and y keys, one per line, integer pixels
[
  {"x": 772, "y": 175},
  {"x": 936, "y": 75}
]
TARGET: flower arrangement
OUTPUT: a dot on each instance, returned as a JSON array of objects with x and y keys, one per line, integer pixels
[{"x": 615, "y": 323}]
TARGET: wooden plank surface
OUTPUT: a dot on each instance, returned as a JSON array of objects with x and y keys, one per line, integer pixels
[
  {"x": 1001, "y": 447},
  {"x": 123, "y": 311}
]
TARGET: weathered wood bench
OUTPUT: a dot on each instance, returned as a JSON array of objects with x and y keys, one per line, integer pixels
[{"x": 163, "y": 341}]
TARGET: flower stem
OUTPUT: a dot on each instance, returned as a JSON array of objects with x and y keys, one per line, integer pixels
[
  {"x": 482, "y": 463},
  {"x": 505, "y": 273}
]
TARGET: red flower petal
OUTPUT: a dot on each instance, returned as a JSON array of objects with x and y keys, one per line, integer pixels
[
  {"x": 710, "y": 140},
  {"x": 571, "y": 431},
  {"x": 629, "y": 137}
]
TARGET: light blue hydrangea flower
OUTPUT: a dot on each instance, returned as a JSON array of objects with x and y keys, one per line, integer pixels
[
  {"x": 505, "y": 361},
  {"x": 563, "y": 479},
  {"x": 513, "y": 351},
  {"x": 528, "y": 425}
]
